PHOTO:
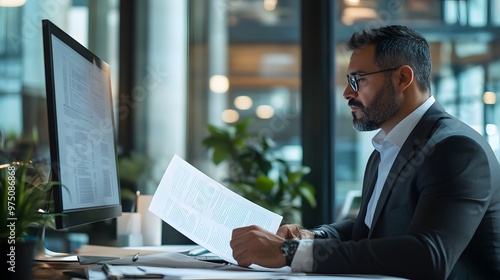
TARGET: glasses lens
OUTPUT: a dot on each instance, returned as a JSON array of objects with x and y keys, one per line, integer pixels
[{"x": 351, "y": 79}]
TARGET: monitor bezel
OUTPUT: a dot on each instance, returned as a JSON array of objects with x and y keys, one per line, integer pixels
[{"x": 80, "y": 216}]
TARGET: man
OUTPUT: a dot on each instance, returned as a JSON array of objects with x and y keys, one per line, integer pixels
[{"x": 431, "y": 190}]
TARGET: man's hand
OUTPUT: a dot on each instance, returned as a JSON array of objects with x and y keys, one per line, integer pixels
[
  {"x": 294, "y": 231},
  {"x": 254, "y": 245}
]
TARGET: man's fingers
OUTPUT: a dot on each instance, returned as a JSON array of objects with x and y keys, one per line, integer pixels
[
  {"x": 239, "y": 244},
  {"x": 289, "y": 231},
  {"x": 306, "y": 234},
  {"x": 239, "y": 231},
  {"x": 244, "y": 264},
  {"x": 240, "y": 254},
  {"x": 254, "y": 245},
  {"x": 240, "y": 257}
]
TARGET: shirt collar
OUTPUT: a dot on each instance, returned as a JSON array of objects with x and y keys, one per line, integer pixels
[{"x": 397, "y": 136}]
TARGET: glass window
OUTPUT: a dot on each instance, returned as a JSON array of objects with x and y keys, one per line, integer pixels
[
  {"x": 245, "y": 63},
  {"x": 477, "y": 12},
  {"x": 22, "y": 83},
  {"x": 494, "y": 12}
]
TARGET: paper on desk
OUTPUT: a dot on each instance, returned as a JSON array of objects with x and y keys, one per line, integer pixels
[
  {"x": 165, "y": 259},
  {"x": 204, "y": 210},
  {"x": 224, "y": 272}
]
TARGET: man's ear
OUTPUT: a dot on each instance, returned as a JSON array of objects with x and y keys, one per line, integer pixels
[{"x": 405, "y": 78}]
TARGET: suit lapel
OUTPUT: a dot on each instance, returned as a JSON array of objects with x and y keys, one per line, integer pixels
[
  {"x": 369, "y": 180},
  {"x": 360, "y": 230},
  {"x": 411, "y": 147}
]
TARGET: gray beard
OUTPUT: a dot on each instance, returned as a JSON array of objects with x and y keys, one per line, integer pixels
[{"x": 384, "y": 106}]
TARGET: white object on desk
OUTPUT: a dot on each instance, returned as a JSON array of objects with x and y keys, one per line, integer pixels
[
  {"x": 95, "y": 272},
  {"x": 227, "y": 272},
  {"x": 150, "y": 223},
  {"x": 128, "y": 229}
]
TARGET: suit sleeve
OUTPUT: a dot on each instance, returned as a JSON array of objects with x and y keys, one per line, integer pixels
[
  {"x": 341, "y": 230},
  {"x": 450, "y": 190}
]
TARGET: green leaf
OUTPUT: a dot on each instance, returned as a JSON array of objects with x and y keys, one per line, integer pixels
[
  {"x": 267, "y": 142},
  {"x": 255, "y": 172},
  {"x": 214, "y": 130},
  {"x": 219, "y": 155},
  {"x": 295, "y": 177},
  {"x": 242, "y": 126},
  {"x": 307, "y": 192},
  {"x": 243, "y": 188},
  {"x": 211, "y": 141},
  {"x": 264, "y": 184},
  {"x": 31, "y": 194}
]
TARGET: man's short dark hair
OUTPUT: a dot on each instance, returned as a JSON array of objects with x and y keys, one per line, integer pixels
[{"x": 397, "y": 45}]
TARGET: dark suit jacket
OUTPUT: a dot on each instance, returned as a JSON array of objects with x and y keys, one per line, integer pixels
[{"x": 438, "y": 216}]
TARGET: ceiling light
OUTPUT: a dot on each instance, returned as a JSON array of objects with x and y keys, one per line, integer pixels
[
  {"x": 264, "y": 112},
  {"x": 230, "y": 116},
  {"x": 12, "y": 3},
  {"x": 219, "y": 83},
  {"x": 270, "y": 5},
  {"x": 351, "y": 2},
  {"x": 489, "y": 98},
  {"x": 243, "y": 102}
]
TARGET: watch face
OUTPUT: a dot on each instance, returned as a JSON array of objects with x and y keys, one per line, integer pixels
[
  {"x": 284, "y": 249},
  {"x": 289, "y": 247}
]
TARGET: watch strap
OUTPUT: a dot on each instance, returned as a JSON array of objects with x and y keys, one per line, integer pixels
[
  {"x": 319, "y": 234},
  {"x": 288, "y": 249}
]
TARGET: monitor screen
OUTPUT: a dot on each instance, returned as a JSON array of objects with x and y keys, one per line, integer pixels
[{"x": 81, "y": 131}]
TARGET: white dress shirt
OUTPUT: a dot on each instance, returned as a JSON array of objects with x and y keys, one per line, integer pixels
[{"x": 388, "y": 146}]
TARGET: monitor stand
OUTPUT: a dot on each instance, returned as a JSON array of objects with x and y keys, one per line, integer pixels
[{"x": 43, "y": 254}]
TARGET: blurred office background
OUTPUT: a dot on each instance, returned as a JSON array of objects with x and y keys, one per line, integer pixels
[{"x": 180, "y": 65}]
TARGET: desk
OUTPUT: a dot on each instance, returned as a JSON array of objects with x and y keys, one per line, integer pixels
[
  {"x": 47, "y": 270},
  {"x": 59, "y": 270},
  {"x": 62, "y": 270}
]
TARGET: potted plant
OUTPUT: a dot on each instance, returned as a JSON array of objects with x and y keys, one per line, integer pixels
[
  {"x": 256, "y": 173},
  {"x": 24, "y": 193}
]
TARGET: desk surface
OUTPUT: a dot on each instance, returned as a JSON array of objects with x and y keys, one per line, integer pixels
[
  {"x": 67, "y": 270},
  {"x": 73, "y": 270}
]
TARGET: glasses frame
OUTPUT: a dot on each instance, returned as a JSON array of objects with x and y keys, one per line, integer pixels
[{"x": 353, "y": 78}]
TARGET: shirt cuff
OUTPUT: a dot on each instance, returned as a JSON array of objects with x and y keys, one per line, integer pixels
[{"x": 303, "y": 260}]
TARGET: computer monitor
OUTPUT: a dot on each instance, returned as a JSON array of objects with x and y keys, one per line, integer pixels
[{"x": 81, "y": 131}]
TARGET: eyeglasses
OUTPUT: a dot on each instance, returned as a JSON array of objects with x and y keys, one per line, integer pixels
[{"x": 353, "y": 78}]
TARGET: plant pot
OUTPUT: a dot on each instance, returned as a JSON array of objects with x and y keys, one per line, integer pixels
[{"x": 17, "y": 259}]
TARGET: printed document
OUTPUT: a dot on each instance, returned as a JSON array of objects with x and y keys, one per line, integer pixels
[{"x": 204, "y": 210}]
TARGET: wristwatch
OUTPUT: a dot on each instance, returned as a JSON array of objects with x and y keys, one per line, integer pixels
[
  {"x": 319, "y": 234},
  {"x": 288, "y": 249}
]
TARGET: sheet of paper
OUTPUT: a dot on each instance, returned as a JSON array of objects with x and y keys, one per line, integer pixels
[
  {"x": 204, "y": 210},
  {"x": 224, "y": 272},
  {"x": 165, "y": 259}
]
